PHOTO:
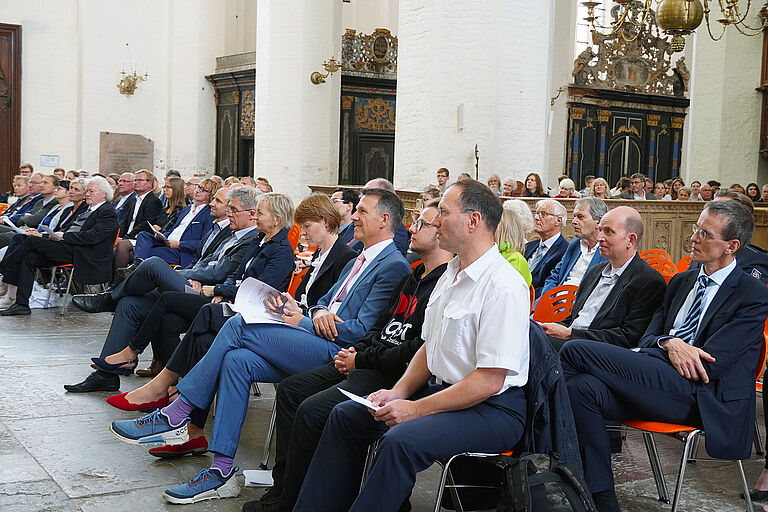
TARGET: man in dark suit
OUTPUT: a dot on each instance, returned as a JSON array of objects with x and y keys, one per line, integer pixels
[
  {"x": 89, "y": 249},
  {"x": 697, "y": 361},
  {"x": 617, "y": 298},
  {"x": 45, "y": 186},
  {"x": 133, "y": 299},
  {"x": 544, "y": 254},
  {"x": 126, "y": 194},
  {"x": 637, "y": 192},
  {"x": 143, "y": 208},
  {"x": 346, "y": 201}
]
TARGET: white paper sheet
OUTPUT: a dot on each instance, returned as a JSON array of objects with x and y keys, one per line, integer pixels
[
  {"x": 258, "y": 478},
  {"x": 157, "y": 233},
  {"x": 51, "y": 233},
  {"x": 359, "y": 399},
  {"x": 13, "y": 226}
]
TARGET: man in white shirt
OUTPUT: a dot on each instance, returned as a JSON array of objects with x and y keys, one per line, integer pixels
[
  {"x": 476, "y": 346},
  {"x": 697, "y": 361},
  {"x": 583, "y": 251},
  {"x": 618, "y": 297}
]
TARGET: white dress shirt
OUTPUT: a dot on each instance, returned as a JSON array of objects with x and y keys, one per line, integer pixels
[
  {"x": 185, "y": 222},
  {"x": 639, "y": 198},
  {"x": 582, "y": 264},
  {"x": 370, "y": 254},
  {"x": 136, "y": 207},
  {"x": 594, "y": 302},
  {"x": 478, "y": 318}
]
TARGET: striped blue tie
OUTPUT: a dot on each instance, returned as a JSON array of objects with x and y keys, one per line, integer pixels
[
  {"x": 687, "y": 331},
  {"x": 537, "y": 256}
]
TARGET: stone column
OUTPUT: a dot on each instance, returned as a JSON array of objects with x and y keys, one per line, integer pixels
[
  {"x": 490, "y": 61},
  {"x": 296, "y": 134}
]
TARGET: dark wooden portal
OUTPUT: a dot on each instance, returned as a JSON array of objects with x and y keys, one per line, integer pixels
[{"x": 10, "y": 103}]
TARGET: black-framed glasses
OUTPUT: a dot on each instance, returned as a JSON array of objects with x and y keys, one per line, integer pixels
[
  {"x": 703, "y": 234},
  {"x": 421, "y": 222},
  {"x": 203, "y": 189}
]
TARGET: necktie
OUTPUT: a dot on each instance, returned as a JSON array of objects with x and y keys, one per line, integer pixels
[
  {"x": 342, "y": 293},
  {"x": 687, "y": 331},
  {"x": 536, "y": 258}
]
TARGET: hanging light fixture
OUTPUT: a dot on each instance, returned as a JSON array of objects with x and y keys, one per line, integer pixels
[{"x": 677, "y": 18}]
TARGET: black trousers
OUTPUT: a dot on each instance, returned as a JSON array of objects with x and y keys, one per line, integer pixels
[
  {"x": 199, "y": 338},
  {"x": 18, "y": 267},
  {"x": 304, "y": 402}
]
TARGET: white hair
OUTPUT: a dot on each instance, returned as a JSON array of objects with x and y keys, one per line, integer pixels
[
  {"x": 102, "y": 184},
  {"x": 523, "y": 213}
]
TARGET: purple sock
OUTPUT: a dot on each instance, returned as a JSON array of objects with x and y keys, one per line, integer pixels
[
  {"x": 178, "y": 410},
  {"x": 222, "y": 463}
]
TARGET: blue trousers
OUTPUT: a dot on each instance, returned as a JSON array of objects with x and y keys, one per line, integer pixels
[
  {"x": 606, "y": 382},
  {"x": 148, "y": 245},
  {"x": 243, "y": 353},
  {"x": 331, "y": 484}
]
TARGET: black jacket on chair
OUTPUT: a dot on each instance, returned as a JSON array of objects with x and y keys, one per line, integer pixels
[
  {"x": 627, "y": 310},
  {"x": 149, "y": 209},
  {"x": 92, "y": 258},
  {"x": 338, "y": 256}
]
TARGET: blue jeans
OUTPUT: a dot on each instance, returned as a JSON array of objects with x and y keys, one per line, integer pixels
[{"x": 243, "y": 353}]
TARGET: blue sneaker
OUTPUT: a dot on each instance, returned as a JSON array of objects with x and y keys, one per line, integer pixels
[
  {"x": 149, "y": 429},
  {"x": 208, "y": 484}
]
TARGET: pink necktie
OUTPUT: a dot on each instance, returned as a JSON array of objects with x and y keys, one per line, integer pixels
[{"x": 342, "y": 293}]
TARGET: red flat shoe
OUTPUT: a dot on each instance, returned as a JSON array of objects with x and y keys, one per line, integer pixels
[
  {"x": 120, "y": 402},
  {"x": 196, "y": 446}
]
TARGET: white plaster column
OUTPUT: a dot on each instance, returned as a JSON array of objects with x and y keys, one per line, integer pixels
[
  {"x": 296, "y": 139},
  {"x": 724, "y": 116},
  {"x": 495, "y": 59}
]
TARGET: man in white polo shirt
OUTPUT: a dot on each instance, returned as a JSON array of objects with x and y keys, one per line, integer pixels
[{"x": 476, "y": 345}]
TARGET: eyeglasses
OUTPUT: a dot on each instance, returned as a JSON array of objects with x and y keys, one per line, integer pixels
[
  {"x": 421, "y": 223},
  {"x": 704, "y": 235},
  {"x": 544, "y": 214},
  {"x": 442, "y": 211},
  {"x": 230, "y": 211},
  {"x": 337, "y": 200},
  {"x": 126, "y": 181}
]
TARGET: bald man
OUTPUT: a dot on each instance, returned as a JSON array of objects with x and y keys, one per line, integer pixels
[{"x": 617, "y": 298}]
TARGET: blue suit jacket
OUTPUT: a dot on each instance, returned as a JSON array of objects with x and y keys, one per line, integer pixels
[
  {"x": 560, "y": 273},
  {"x": 547, "y": 263},
  {"x": 367, "y": 299},
  {"x": 195, "y": 232},
  {"x": 128, "y": 202},
  {"x": 271, "y": 263},
  {"x": 15, "y": 212},
  {"x": 731, "y": 331}
]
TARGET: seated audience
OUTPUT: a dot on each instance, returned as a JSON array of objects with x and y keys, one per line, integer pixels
[
  {"x": 544, "y": 254},
  {"x": 567, "y": 189},
  {"x": 637, "y": 191},
  {"x": 583, "y": 252},
  {"x": 508, "y": 186},
  {"x": 696, "y": 364},
  {"x": 624, "y": 184},
  {"x": 648, "y": 185},
  {"x": 705, "y": 192},
  {"x": 232, "y": 180},
  {"x": 184, "y": 236},
  {"x": 588, "y": 179},
  {"x": 764, "y": 195},
  {"x": 684, "y": 194},
  {"x": 346, "y": 201},
  {"x": 443, "y": 175},
  {"x": 476, "y": 345},
  {"x": 140, "y": 212},
  {"x": 599, "y": 189},
  {"x": 173, "y": 202},
  {"x": 26, "y": 169},
  {"x": 464, "y": 176},
  {"x": 677, "y": 184},
  {"x": 248, "y": 181},
  {"x": 431, "y": 192},
  {"x": 21, "y": 200},
  {"x": 190, "y": 187},
  {"x": 533, "y": 186},
  {"x": 242, "y": 353},
  {"x": 59, "y": 173},
  {"x": 695, "y": 190},
  {"x": 42, "y": 186},
  {"x": 376, "y": 361},
  {"x": 736, "y": 187},
  {"x": 617, "y": 298},
  {"x": 660, "y": 191},
  {"x": 494, "y": 183},
  {"x": 510, "y": 238},
  {"x": 262, "y": 184},
  {"x": 123, "y": 195},
  {"x": 88, "y": 249},
  {"x": 401, "y": 234},
  {"x": 133, "y": 299}
]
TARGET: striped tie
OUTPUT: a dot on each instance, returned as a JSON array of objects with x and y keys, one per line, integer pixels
[
  {"x": 687, "y": 331},
  {"x": 537, "y": 256}
]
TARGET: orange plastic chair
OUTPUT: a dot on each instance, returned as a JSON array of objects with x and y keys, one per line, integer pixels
[
  {"x": 296, "y": 281},
  {"x": 556, "y": 304},
  {"x": 690, "y": 436},
  {"x": 294, "y": 235},
  {"x": 684, "y": 263},
  {"x": 533, "y": 296},
  {"x": 665, "y": 267},
  {"x": 653, "y": 254}
]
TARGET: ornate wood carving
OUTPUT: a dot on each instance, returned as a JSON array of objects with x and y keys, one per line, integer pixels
[
  {"x": 247, "y": 113},
  {"x": 373, "y": 55},
  {"x": 377, "y": 115}
]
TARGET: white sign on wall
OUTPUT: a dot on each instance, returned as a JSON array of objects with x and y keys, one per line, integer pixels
[{"x": 49, "y": 160}]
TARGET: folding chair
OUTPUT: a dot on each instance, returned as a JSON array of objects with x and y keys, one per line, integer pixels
[
  {"x": 665, "y": 267},
  {"x": 684, "y": 263},
  {"x": 556, "y": 304},
  {"x": 655, "y": 254}
]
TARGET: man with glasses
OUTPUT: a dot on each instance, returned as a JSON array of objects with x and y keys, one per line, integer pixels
[
  {"x": 27, "y": 193},
  {"x": 346, "y": 201},
  {"x": 544, "y": 254},
  {"x": 42, "y": 186},
  {"x": 189, "y": 188},
  {"x": 132, "y": 300},
  {"x": 637, "y": 192},
  {"x": 376, "y": 361},
  {"x": 127, "y": 194},
  {"x": 142, "y": 210},
  {"x": 696, "y": 365},
  {"x": 443, "y": 175}
]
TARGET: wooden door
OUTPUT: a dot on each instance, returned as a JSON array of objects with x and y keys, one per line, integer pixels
[{"x": 10, "y": 103}]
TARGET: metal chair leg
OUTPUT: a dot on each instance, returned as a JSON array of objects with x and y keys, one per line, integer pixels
[
  {"x": 658, "y": 473},
  {"x": 759, "y": 448},
  {"x": 443, "y": 480},
  {"x": 67, "y": 296},
  {"x": 270, "y": 434},
  {"x": 744, "y": 486},
  {"x": 690, "y": 441},
  {"x": 369, "y": 461}
]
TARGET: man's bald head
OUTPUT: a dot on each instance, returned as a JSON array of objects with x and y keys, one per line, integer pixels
[
  {"x": 620, "y": 232},
  {"x": 631, "y": 220}
]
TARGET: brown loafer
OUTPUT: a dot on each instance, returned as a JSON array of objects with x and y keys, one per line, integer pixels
[{"x": 152, "y": 371}]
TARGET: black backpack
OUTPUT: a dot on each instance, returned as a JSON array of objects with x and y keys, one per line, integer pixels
[{"x": 529, "y": 483}]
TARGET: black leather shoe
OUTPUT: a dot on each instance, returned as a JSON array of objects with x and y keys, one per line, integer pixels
[
  {"x": 15, "y": 310},
  {"x": 94, "y": 302},
  {"x": 97, "y": 381},
  {"x": 756, "y": 495}
]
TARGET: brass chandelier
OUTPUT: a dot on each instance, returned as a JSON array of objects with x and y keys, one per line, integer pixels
[{"x": 677, "y": 18}]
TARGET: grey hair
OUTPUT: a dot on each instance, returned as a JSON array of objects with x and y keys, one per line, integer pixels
[
  {"x": 381, "y": 183},
  {"x": 557, "y": 207},
  {"x": 281, "y": 206},
  {"x": 739, "y": 223},
  {"x": 80, "y": 181},
  {"x": 388, "y": 203},
  {"x": 248, "y": 197},
  {"x": 103, "y": 185},
  {"x": 597, "y": 207},
  {"x": 522, "y": 212}
]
